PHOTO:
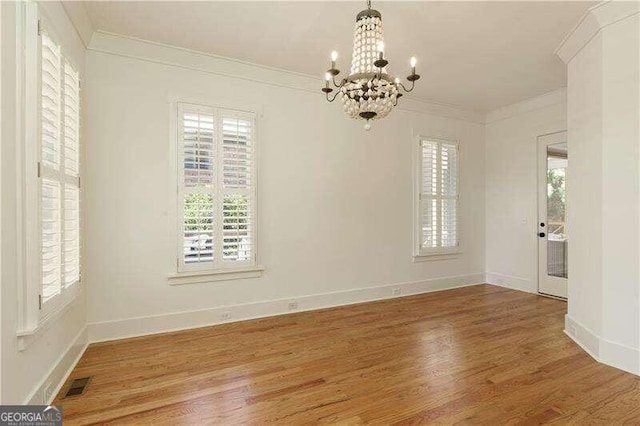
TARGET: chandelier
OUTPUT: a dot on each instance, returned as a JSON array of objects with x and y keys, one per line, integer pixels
[{"x": 369, "y": 92}]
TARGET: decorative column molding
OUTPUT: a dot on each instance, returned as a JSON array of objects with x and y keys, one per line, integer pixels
[{"x": 592, "y": 22}]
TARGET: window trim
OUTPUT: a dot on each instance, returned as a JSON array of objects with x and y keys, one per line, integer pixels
[
  {"x": 35, "y": 318},
  {"x": 421, "y": 254},
  {"x": 211, "y": 272}
]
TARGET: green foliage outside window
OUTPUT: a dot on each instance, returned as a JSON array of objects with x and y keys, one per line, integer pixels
[{"x": 556, "y": 203}]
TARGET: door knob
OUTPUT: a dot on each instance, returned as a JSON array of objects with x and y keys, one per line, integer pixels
[{"x": 542, "y": 235}]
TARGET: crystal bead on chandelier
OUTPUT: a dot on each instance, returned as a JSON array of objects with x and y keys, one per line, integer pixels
[{"x": 369, "y": 92}]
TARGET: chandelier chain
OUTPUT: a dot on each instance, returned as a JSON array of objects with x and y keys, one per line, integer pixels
[{"x": 369, "y": 4}]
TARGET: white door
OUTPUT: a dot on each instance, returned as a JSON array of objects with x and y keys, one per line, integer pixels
[{"x": 553, "y": 241}]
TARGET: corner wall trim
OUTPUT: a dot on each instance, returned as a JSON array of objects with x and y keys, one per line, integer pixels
[
  {"x": 141, "y": 326},
  {"x": 60, "y": 371},
  {"x": 592, "y": 22},
  {"x": 602, "y": 350}
]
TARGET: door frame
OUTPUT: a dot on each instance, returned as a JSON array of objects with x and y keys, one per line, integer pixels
[{"x": 542, "y": 141}]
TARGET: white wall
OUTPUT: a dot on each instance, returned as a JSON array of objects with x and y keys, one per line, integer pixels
[
  {"x": 47, "y": 358},
  {"x": 335, "y": 202},
  {"x": 604, "y": 138},
  {"x": 511, "y": 190}
]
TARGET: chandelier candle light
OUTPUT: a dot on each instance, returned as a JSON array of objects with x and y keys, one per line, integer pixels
[{"x": 369, "y": 92}]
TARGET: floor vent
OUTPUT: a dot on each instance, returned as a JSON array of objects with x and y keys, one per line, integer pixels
[{"x": 77, "y": 387}]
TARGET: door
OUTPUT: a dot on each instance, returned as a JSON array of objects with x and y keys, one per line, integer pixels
[{"x": 553, "y": 241}]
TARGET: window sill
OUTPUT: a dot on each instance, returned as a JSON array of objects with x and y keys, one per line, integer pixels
[
  {"x": 429, "y": 257},
  {"x": 194, "y": 277},
  {"x": 27, "y": 336}
]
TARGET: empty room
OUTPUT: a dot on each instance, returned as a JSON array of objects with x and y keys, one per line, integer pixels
[{"x": 342, "y": 212}]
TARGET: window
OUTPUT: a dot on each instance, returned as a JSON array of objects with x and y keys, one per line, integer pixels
[
  {"x": 437, "y": 197},
  {"x": 216, "y": 189},
  {"x": 58, "y": 174}
]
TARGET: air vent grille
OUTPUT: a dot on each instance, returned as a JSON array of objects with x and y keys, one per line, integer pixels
[{"x": 77, "y": 387}]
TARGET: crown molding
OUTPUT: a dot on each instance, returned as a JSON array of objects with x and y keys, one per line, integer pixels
[
  {"x": 134, "y": 48},
  {"x": 592, "y": 22},
  {"x": 77, "y": 13},
  {"x": 558, "y": 96}
]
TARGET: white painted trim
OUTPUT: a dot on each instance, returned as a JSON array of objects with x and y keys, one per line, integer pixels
[
  {"x": 153, "y": 324},
  {"x": 60, "y": 370},
  {"x": 508, "y": 281},
  {"x": 29, "y": 335},
  {"x": 80, "y": 19},
  {"x": 130, "y": 47},
  {"x": 584, "y": 337},
  {"x": 205, "y": 276},
  {"x": 454, "y": 254},
  {"x": 602, "y": 350},
  {"x": 553, "y": 286},
  {"x": 555, "y": 97},
  {"x": 592, "y": 22}
]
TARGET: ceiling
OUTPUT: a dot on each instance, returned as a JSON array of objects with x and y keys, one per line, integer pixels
[{"x": 479, "y": 55}]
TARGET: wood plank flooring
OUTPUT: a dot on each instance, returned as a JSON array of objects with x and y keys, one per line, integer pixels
[{"x": 474, "y": 355}]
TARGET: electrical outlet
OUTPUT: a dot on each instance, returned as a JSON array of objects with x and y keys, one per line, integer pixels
[
  {"x": 572, "y": 330},
  {"x": 225, "y": 316},
  {"x": 47, "y": 393},
  {"x": 499, "y": 281},
  {"x": 396, "y": 292},
  {"x": 293, "y": 306}
]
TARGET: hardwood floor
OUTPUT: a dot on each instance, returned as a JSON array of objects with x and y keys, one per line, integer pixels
[{"x": 475, "y": 355}]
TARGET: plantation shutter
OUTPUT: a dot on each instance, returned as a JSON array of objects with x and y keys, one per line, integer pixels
[
  {"x": 50, "y": 186},
  {"x": 59, "y": 166},
  {"x": 199, "y": 184},
  {"x": 438, "y": 215},
  {"x": 216, "y": 187},
  {"x": 237, "y": 184},
  {"x": 72, "y": 175},
  {"x": 448, "y": 195}
]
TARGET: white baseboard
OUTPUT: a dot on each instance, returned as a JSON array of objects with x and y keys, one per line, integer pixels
[
  {"x": 508, "y": 281},
  {"x": 620, "y": 356},
  {"x": 602, "y": 350},
  {"x": 60, "y": 371},
  {"x": 584, "y": 337},
  {"x": 140, "y": 326}
]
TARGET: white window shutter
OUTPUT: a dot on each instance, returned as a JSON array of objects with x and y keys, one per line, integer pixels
[
  {"x": 429, "y": 191},
  {"x": 198, "y": 231},
  {"x": 71, "y": 120},
  {"x": 51, "y": 240},
  {"x": 197, "y": 136},
  {"x": 216, "y": 187},
  {"x": 237, "y": 183},
  {"x": 51, "y": 102},
  {"x": 449, "y": 194},
  {"x": 438, "y": 196},
  {"x": 59, "y": 173},
  {"x": 198, "y": 149},
  {"x": 71, "y": 235}
]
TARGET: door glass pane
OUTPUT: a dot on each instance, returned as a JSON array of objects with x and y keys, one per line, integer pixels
[{"x": 557, "y": 239}]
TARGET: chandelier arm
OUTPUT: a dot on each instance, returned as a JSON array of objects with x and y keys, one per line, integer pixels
[
  {"x": 334, "y": 96},
  {"x": 405, "y": 89},
  {"x": 342, "y": 82}
]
